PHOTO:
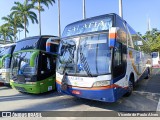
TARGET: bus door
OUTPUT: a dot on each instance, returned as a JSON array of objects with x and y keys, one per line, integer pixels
[
  {"x": 46, "y": 70},
  {"x": 119, "y": 61},
  {"x": 138, "y": 62}
]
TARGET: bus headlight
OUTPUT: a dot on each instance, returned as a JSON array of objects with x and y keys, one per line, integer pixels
[{"x": 101, "y": 83}]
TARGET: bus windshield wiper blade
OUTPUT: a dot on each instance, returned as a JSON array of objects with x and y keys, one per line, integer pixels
[{"x": 85, "y": 64}]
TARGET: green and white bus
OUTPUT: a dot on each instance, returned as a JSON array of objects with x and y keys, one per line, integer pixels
[
  {"x": 5, "y": 62},
  {"x": 34, "y": 64}
]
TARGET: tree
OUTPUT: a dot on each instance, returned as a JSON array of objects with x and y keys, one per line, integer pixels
[
  {"x": 15, "y": 22},
  {"x": 40, "y": 8},
  {"x": 153, "y": 39},
  {"x": 6, "y": 32},
  {"x": 25, "y": 12}
]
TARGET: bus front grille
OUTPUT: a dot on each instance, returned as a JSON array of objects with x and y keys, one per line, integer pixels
[{"x": 20, "y": 89}]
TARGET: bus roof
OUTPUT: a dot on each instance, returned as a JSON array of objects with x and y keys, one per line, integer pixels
[
  {"x": 42, "y": 36},
  {"x": 35, "y": 42},
  {"x": 110, "y": 14},
  {"x": 6, "y": 45}
]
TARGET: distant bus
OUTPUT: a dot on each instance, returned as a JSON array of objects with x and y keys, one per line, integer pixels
[
  {"x": 155, "y": 59},
  {"x": 101, "y": 58},
  {"x": 5, "y": 62},
  {"x": 34, "y": 64}
]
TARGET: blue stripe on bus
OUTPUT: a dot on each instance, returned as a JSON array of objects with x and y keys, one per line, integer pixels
[
  {"x": 118, "y": 78},
  {"x": 47, "y": 48},
  {"x": 112, "y": 42}
]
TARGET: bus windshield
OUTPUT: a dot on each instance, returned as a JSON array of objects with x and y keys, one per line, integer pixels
[
  {"x": 88, "y": 25},
  {"x": 21, "y": 64},
  {"x": 85, "y": 56},
  {"x": 5, "y": 50},
  {"x": 26, "y": 44}
]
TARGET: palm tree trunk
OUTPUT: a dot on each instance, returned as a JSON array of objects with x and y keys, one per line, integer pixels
[
  {"x": 39, "y": 12},
  {"x": 15, "y": 31},
  {"x": 25, "y": 27},
  {"x": 5, "y": 38}
]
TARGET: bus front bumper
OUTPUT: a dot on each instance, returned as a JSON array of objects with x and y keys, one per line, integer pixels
[
  {"x": 28, "y": 88},
  {"x": 99, "y": 94}
]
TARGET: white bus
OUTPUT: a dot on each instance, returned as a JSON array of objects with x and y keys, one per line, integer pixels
[
  {"x": 101, "y": 58},
  {"x": 5, "y": 62}
]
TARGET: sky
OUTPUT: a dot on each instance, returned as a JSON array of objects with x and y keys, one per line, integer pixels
[{"x": 135, "y": 12}]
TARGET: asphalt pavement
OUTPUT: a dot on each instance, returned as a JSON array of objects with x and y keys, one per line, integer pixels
[{"x": 145, "y": 97}]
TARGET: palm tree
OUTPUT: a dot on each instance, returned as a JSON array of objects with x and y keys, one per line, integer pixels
[
  {"x": 25, "y": 12},
  {"x": 40, "y": 8},
  {"x": 15, "y": 22},
  {"x": 6, "y": 32}
]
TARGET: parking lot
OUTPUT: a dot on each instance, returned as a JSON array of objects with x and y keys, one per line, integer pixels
[{"x": 145, "y": 97}]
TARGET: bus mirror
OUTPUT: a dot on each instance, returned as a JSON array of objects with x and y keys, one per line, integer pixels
[
  {"x": 112, "y": 36},
  {"x": 50, "y": 42}
]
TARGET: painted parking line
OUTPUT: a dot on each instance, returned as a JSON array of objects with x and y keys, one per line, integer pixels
[{"x": 143, "y": 92}]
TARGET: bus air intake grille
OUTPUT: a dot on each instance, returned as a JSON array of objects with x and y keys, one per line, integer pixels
[
  {"x": 20, "y": 89},
  {"x": 21, "y": 78}
]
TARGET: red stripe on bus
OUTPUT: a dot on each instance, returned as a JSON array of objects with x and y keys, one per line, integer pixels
[
  {"x": 48, "y": 44},
  {"x": 112, "y": 35}
]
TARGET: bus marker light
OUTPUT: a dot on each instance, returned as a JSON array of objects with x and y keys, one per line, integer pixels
[{"x": 76, "y": 92}]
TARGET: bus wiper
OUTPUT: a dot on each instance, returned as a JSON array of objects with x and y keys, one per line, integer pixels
[
  {"x": 70, "y": 49},
  {"x": 85, "y": 64}
]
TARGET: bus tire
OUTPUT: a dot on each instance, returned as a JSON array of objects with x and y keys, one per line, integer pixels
[
  {"x": 148, "y": 74},
  {"x": 130, "y": 87}
]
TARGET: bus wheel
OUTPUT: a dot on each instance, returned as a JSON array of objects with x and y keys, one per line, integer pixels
[
  {"x": 148, "y": 74},
  {"x": 130, "y": 88}
]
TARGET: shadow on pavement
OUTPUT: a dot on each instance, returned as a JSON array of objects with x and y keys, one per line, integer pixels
[{"x": 145, "y": 97}]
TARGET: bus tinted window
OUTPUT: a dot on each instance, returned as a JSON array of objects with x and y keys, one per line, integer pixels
[
  {"x": 42, "y": 44},
  {"x": 90, "y": 25},
  {"x": 132, "y": 42},
  {"x": 26, "y": 44},
  {"x": 122, "y": 36},
  {"x": 54, "y": 48}
]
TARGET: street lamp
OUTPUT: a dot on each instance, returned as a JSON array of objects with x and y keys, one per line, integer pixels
[
  {"x": 84, "y": 9},
  {"x": 120, "y": 9},
  {"x": 59, "y": 19}
]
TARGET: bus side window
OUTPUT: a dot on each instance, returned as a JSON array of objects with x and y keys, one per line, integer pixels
[
  {"x": 119, "y": 60},
  {"x": 117, "y": 54}
]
